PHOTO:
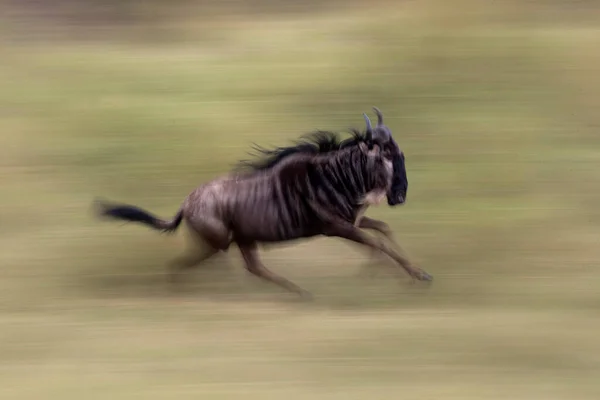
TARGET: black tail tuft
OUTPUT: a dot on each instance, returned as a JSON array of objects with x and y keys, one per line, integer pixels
[
  {"x": 129, "y": 213},
  {"x": 124, "y": 212}
]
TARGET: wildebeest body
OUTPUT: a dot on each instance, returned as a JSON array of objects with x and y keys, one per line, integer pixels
[
  {"x": 302, "y": 194},
  {"x": 297, "y": 199}
]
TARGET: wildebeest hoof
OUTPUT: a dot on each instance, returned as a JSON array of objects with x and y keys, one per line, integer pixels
[
  {"x": 425, "y": 277},
  {"x": 421, "y": 276},
  {"x": 306, "y": 295}
]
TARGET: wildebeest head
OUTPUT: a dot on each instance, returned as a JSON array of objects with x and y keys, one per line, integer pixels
[{"x": 382, "y": 136}]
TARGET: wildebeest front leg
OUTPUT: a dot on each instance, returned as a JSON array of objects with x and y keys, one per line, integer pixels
[
  {"x": 256, "y": 267},
  {"x": 376, "y": 225},
  {"x": 353, "y": 233},
  {"x": 384, "y": 229}
]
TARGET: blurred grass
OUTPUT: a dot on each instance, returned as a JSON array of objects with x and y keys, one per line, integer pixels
[{"x": 495, "y": 107}]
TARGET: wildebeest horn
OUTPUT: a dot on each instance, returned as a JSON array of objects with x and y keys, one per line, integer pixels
[
  {"x": 379, "y": 116},
  {"x": 369, "y": 128}
]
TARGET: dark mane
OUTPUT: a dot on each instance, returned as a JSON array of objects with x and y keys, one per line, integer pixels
[{"x": 317, "y": 142}]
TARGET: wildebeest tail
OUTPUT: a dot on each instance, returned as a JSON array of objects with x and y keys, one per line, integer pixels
[{"x": 130, "y": 213}]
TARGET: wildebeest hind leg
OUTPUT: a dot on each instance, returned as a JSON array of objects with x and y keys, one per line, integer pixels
[
  {"x": 256, "y": 267},
  {"x": 214, "y": 235},
  {"x": 183, "y": 263}
]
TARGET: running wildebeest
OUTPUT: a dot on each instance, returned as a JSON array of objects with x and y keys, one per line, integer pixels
[{"x": 320, "y": 186}]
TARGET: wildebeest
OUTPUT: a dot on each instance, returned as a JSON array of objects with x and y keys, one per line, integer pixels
[{"x": 320, "y": 186}]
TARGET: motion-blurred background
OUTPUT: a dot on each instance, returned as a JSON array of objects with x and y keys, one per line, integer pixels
[{"x": 495, "y": 104}]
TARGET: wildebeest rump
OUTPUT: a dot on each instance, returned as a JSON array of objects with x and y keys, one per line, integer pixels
[{"x": 320, "y": 186}]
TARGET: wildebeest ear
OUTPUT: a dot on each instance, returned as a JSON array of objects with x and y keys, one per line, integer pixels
[
  {"x": 363, "y": 147},
  {"x": 375, "y": 150}
]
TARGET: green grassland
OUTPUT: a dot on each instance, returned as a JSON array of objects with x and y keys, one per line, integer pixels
[{"x": 497, "y": 110}]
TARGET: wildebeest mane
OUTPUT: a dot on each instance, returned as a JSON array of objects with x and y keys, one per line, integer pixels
[{"x": 317, "y": 142}]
